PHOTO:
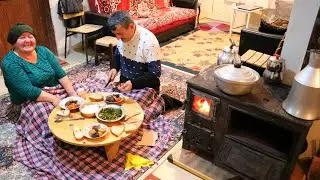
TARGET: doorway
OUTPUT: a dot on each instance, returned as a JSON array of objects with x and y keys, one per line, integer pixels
[{"x": 35, "y": 13}]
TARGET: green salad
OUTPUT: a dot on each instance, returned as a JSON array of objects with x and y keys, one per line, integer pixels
[{"x": 110, "y": 113}]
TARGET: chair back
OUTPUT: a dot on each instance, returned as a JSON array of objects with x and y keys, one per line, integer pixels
[
  {"x": 73, "y": 15},
  {"x": 73, "y": 20}
]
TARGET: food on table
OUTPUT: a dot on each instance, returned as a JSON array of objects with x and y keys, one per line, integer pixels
[
  {"x": 114, "y": 98},
  {"x": 97, "y": 131},
  {"x": 117, "y": 130},
  {"x": 72, "y": 104},
  {"x": 130, "y": 127},
  {"x": 64, "y": 112},
  {"x": 89, "y": 111},
  {"x": 96, "y": 97},
  {"x": 77, "y": 133},
  {"x": 110, "y": 113}
]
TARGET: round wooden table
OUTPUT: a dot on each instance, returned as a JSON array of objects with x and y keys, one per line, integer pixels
[{"x": 64, "y": 130}]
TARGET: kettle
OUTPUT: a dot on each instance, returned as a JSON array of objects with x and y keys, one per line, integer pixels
[
  {"x": 229, "y": 55},
  {"x": 303, "y": 100}
]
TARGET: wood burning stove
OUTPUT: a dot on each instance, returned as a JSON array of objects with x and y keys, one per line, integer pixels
[{"x": 251, "y": 135}]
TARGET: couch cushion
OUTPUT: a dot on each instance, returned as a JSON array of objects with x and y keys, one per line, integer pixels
[{"x": 163, "y": 19}]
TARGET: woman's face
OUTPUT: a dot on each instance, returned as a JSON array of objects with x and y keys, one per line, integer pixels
[{"x": 26, "y": 43}]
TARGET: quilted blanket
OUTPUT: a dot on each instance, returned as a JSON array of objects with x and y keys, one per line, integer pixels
[{"x": 50, "y": 158}]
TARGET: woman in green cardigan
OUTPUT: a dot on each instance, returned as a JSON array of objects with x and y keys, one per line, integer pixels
[{"x": 28, "y": 68}]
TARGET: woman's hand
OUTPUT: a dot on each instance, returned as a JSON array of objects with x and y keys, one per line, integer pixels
[
  {"x": 125, "y": 87},
  {"x": 112, "y": 74},
  {"x": 56, "y": 101}
]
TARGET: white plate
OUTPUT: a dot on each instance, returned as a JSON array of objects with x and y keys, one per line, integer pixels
[
  {"x": 89, "y": 127},
  {"x": 114, "y": 93},
  {"x": 65, "y": 100},
  {"x": 110, "y": 106}
]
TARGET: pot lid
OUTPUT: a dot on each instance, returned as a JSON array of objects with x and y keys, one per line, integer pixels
[{"x": 237, "y": 73}]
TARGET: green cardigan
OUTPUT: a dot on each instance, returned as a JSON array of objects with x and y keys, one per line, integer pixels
[{"x": 24, "y": 80}]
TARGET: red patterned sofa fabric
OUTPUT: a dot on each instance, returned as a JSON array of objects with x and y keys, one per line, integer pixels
[
  {"x": 108, "y": 6},
  {"x": 159, "y": 20},
  {"x": 164, "y": 19},
  {"x": 124, "y": 5}
]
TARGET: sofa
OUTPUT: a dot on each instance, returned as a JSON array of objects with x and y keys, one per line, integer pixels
[{"x": 166, "y": 19}]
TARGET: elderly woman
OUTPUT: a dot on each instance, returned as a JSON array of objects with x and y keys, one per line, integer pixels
[{"x": 28, "y": 68}]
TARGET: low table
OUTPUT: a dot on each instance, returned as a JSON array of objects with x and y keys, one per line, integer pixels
[{"x": 64, "y": 130}]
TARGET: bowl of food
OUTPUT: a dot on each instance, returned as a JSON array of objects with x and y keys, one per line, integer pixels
[
  {"x": 71, "y": 103},
  {"x": 95, "y": 131},
  {"x": 88, "y": 110},
  {"x": 110, "y": 113},
  {"x": 114, "y": 98}
]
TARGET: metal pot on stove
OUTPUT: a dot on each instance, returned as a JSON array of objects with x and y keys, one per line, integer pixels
[{"x": 235, "y": 79}]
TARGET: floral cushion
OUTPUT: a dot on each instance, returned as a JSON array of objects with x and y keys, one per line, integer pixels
[
  {"x": 162, "y": 17},
  {"x": 150, "y": 14}
]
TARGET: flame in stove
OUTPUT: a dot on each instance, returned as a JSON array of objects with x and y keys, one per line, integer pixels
[{"x": 201, "y": 105}]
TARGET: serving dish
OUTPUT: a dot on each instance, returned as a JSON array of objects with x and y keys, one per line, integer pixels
[
  {"x": 95, "y": 131},
  {"x": 71, "y": 103},
  {"x": 110, "y": 113},
  {"x": 235, "y": 79},
  {"x": 89, "y": 110},
  {"x": 114, "y": 98}
]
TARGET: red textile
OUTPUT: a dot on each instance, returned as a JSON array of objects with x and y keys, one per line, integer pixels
[
  {"x": 124, "y": 5},
  {"x": 170, "y": 26},
  {"x": 160, "y": 4}
]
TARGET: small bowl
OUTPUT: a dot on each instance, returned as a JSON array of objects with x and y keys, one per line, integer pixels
[
  {"x": 88, "y": 111},
  {"x": 110, "y": 106},
  {"x": 64, "y": 101}
]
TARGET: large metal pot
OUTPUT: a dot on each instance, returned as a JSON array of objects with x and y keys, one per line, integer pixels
[{"x": 235, "y": 79}]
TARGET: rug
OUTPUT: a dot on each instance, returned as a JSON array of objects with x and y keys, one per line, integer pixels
[
  {"x": 196, "y": 51},
  {"x": 173, "y": 83},
  {"x": 214, "y": 26}
]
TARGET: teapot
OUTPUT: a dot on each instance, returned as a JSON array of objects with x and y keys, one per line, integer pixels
[{"x": 229, "y": 55}]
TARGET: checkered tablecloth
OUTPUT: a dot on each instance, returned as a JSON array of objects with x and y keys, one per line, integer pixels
[{"x": 50, "y": 158}]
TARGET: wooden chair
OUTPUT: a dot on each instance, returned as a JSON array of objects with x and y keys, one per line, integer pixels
[
  {"x": 104, "y": 47},
  {"x": 87, "y": 31}
]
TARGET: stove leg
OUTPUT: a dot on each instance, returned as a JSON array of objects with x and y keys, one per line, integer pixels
[{"x": 185, "y": 144}]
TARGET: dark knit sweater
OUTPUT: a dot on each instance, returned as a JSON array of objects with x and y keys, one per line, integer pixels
[{"x": 24, "y": 80}]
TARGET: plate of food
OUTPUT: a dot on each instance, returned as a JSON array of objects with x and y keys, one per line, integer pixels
[
  {"x": 110, "y": 113},
  {"x": 95, "y": 131},
  {"x": 114, "y": 98},
  {"x": 71, "y": 103}
]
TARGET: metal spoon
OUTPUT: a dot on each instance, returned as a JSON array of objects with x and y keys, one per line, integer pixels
[{"x": 60, "y": 119}]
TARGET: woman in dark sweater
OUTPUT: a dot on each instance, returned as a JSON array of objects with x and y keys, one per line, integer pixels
[{"x": 28, "y": 68}]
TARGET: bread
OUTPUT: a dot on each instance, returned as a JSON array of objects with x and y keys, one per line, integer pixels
[
  {"x": 63, "y": 113},
  {"x": 77, "y": 133},
  {"x": 96, "y": 97},
  {"x": 117, "y": 130}
]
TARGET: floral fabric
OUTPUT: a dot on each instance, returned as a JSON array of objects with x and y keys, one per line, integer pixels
[{"x": 162, "y": 17}]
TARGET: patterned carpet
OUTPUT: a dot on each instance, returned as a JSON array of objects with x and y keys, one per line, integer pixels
[
  {"x": 172, "y": 83},
  {"x": 198, "y": 50}
]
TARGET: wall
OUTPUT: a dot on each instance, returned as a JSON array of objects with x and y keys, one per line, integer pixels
[
  {"x": 221, "y": 10},
  {"x": 300, "y": 27},
  {"x": 59, "y": 28}
]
